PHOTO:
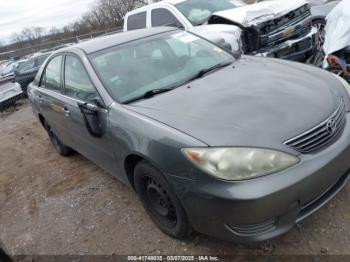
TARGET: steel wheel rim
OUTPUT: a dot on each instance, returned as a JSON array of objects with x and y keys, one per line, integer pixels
[{"x": 160, "y": 203}]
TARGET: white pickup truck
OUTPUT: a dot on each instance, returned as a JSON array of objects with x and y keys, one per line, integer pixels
[{"x": 273, "y": 28}]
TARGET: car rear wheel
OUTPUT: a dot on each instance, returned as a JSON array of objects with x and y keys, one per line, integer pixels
[
  {"x": 60, "y": 148},
  {"x": 160, "y": 202}
]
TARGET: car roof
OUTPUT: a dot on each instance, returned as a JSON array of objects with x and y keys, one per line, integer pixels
[
  {"x": 155, "y": 4},
  {"x": 104, "y": 42},
  {"x": 172, "y": 2}
]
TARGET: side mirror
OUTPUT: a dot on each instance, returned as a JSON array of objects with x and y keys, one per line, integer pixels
[
  {"x": 91, "y": 119},
  {"x": 98, "y": 102}
]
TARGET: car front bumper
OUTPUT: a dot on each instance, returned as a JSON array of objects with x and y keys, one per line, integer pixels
[
  {"x": 266, "y": 207},
  {"x": 296, "y": 49}
]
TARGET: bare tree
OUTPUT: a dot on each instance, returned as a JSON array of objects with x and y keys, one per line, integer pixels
[
  {"x": 32, "y": 34},
  {"x": 19, "y": 39},
  {"x": 103, "y": 15}
]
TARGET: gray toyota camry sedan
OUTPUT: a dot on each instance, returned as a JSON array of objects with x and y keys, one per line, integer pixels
[{"x": 240, "y": 148}]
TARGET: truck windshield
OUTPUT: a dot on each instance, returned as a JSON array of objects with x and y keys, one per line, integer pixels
[
  {"x": 160, "y": 62},
  {"x": 199, "y": 11}
]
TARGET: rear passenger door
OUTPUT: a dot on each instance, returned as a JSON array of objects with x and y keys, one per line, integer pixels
[
  {"x": 79, "y": 90},
  {"x": 50, "y": 100}
]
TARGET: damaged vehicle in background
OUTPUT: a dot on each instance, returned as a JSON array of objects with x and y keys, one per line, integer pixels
[
  {"x": 12, "y": 68},
  {"x": 275, "y": 28},
  {"x": 10, "y": 92},
  {"x": 337, "y": 41},
  {"x": 319, "y": 11},
  {"x": 29, "y": 69}
]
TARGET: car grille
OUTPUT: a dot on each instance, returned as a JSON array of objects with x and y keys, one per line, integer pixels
[
  {"x": 275, "y": 31},
  {"x": 322, "y": 135}
]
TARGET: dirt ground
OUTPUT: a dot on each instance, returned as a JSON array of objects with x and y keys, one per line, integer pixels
[{"x": 50, "y": 205}]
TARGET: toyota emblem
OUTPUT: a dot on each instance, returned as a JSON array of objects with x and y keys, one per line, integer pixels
[{"x": 331, "y": 126}]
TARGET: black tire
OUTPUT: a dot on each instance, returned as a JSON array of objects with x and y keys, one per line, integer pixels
[
  {"x": 160, "y": 202},
  {"x": 60, "y": 148}
]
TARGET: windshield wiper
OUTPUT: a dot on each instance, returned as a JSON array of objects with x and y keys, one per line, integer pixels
[
  {"x": 149, "y": 94},
  {"x": 153, "y": 92},
  {"x": 205, "y": 71}
]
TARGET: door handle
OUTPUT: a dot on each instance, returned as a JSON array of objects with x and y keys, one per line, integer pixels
[
  {"x": 40, "y": 98},
  {"x": 66, "y": 111}
]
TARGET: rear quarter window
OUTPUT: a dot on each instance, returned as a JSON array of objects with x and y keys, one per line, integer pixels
[{"x": 137, "y": 21}]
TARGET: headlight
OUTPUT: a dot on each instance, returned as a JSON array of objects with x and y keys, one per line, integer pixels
[
  {"x": 237, "y": 164},
  {"x": 345, "y": 84}
]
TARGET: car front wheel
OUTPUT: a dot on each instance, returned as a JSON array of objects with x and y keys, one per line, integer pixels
[
  {"x": 320, "y": 24},
  {"x": 160, "y": 202}
]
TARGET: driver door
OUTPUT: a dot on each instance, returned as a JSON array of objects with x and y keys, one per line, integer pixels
[{"x": 79, "y": 90}]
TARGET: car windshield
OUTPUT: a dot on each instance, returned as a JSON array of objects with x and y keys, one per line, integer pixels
[
  {"x": 28, "y": 65},
  {"x": 164, "y": 61},
  {"x": 20, "y": 65},
  {"x": 199, "y": 11},
  {"x": 33, "y": 62}
]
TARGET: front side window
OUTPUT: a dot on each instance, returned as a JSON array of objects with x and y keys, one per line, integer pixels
[
  {"x": 199, "y": 11},
  {"x": 163, "y": 17},
  {"x": 77, "y": 83},
  {"x": 52, "y": 75},
  {"x": 137, "y": 21},
  {"x": 159, "y": 62}
]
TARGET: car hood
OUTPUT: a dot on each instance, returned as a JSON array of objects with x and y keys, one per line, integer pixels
[
  {"x": 229, "y": 33},
  {"x": 254, "y": 14},
  {"x": 257, "y": 102}
]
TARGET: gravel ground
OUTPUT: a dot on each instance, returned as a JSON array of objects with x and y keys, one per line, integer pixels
[{"x": 50, "y": 205}]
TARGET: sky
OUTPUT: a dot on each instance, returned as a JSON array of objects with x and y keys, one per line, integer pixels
[{"x": 17, "y": 14}]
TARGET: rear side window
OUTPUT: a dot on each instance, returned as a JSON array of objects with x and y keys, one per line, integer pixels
[
  {"x": 163, "y": 17},
  {"x": 137, "y": 21},
  {"x": 77, "y": 83},
  {"x": 52, "y": 76}
]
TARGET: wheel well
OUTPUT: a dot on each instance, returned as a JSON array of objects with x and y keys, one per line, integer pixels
[
  {"x": 42, "y": 120},
  {"x": 130, "y": 163},
  {"x": 318, "y": 19}
]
